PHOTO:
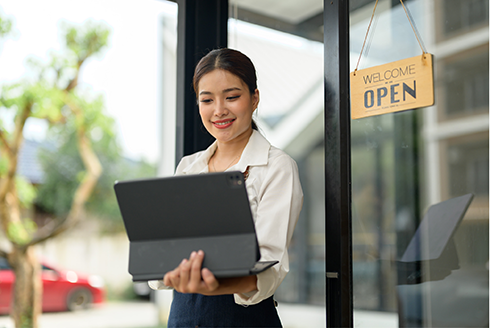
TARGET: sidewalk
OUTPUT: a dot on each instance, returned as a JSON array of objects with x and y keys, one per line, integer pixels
[
  {"x": 144, "y": 315},
  {"x": 109, "y": 315}
]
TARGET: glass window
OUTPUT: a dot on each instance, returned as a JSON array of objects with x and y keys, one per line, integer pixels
[
  {"x": 287, "y": 52},
  {"x": 408, "y": 166}
]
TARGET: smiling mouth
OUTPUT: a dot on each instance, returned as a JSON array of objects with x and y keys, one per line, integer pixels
[{"x": 223, "y": 123}]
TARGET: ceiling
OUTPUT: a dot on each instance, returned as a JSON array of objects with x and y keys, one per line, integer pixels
[
  {"x": 299, "y": 17},
  {"x": 303, "y": 18},
  {"x": 290, "y": 11}
]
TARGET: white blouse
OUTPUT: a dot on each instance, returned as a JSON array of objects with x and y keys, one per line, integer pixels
[{"x": 276, "y": 198}]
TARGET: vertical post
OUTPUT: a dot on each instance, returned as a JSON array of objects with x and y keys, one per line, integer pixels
[
  {"x": 202, "y": 26},
  {"x": 338, "y": 234}
]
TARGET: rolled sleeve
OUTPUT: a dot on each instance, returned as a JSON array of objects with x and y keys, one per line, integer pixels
[{"x": 157, "y": 285}]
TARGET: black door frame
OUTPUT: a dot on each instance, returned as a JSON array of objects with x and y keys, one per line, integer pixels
[
  {"x": 338, "y": 234},
  {"x": 202, "y": 26}
]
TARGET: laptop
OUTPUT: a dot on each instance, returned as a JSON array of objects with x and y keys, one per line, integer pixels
[{"x": 168, "y": 218}]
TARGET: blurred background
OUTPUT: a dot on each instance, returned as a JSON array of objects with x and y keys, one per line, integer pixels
[{"x": 134, "y": 78}]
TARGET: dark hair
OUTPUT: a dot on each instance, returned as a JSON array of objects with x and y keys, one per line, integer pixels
[{"x": 229, "y": 60}]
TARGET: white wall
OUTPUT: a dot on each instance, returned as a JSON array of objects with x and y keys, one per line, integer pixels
[{"x": 106, "y": 256}]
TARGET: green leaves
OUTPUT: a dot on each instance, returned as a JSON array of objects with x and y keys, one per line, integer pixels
[
  {"x": 93, "y": 117},
  {"x": 44, "y": 101},
  {"x": 21, "y": 232},
  {"x": 48, "y": 103},
  {"x": 5, "y": 26},
  {"x": 86, "y": 41},
  {"x": 26, "y": 191}
]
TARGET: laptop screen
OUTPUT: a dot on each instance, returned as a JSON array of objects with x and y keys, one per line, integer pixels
[{"x": 187, "y": 206}]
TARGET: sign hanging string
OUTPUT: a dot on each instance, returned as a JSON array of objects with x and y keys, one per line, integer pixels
[
  {"x": 414, "y": 28},
  {"x": 410, "y": 20}
]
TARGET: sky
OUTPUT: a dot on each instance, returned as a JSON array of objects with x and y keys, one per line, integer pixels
[{"x": 127, "y": 73}]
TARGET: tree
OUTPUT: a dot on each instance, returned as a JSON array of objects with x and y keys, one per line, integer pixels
[
  {"x": 61, "y": 166},
  {"x": 54, "y": 96}
]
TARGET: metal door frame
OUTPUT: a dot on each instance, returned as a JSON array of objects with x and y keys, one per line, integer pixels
[{"x": 338, "y": 233}]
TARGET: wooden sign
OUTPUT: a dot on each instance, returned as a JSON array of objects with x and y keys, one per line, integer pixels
[{"x": 401, "y": 85}]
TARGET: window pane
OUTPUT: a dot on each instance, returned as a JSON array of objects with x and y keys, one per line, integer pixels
[{"x": 409, "y": 167}]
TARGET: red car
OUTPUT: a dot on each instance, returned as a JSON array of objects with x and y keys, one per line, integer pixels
[{"x": 62, "y": 290}]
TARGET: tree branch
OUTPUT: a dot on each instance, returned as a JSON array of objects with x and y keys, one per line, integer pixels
[
  {"x": 93, "y": 171},
  {"x": 50, "y": 230},
  {"x": 14, "y": 150},
  {"x": 5, "y": 143},
  {"x": 74, "y": 82}
]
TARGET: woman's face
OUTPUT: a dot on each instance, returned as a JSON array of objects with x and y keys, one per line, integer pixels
[{"x": 226, "y": 105}]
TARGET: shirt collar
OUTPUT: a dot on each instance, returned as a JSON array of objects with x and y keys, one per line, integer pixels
[{"x": 256, "y": 153}]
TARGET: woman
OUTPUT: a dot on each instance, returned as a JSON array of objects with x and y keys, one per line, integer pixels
[{"x": 227, "y": 95}]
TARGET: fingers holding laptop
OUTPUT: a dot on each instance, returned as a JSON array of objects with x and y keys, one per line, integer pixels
[{"x": 188, "y": 277}]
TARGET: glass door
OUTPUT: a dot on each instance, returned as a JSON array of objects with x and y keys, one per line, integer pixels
[{"x": 416, "y": 261}]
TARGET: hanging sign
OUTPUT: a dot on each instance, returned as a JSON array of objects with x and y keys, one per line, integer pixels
[{"x": 397, "y": 86}]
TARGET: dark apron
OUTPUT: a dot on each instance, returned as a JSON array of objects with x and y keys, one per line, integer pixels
[{"x": 196, "y": 310}]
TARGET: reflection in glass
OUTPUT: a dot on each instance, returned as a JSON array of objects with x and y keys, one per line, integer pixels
[
  {"x": 463, "y": 15},
  {"x": 466, "y": 84}
]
